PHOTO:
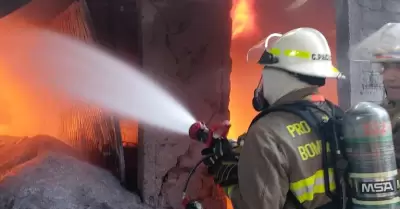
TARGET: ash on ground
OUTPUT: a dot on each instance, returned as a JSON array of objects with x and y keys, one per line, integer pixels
[{"x": 44, "y": 173}]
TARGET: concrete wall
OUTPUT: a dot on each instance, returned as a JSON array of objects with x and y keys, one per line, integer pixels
[
  {"x": 356, "y": 19},
  {"x": 186, "y": 47}
]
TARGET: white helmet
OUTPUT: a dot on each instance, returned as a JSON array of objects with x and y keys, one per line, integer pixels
[
  {"x": 303, "y": 51},
  {"x": 381, "y": 46}
]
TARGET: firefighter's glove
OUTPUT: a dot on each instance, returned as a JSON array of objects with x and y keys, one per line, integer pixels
[{"x": 222, "y": 162}]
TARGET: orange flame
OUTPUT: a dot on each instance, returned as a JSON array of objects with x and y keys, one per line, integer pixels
[
  {"x": 243, "y": 18},
  {"x": 243, "y": 24}
]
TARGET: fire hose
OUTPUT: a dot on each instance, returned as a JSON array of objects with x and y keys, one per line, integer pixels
[{"x": 200, "y": 132}]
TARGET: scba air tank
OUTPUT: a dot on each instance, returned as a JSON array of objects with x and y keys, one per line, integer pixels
[{"x": 372, "y": 164}]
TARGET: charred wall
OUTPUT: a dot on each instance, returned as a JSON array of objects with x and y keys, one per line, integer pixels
[
  {"x": 186, "y": 46},
  {"x": 6, "y": 7},
  {"x": 116, "y": 25}
]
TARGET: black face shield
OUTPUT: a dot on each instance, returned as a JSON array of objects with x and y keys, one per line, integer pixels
[{"x": 259, "y": 102}]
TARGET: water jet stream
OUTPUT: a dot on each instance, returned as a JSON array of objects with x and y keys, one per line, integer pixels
[{"x": 49, "y": 61}]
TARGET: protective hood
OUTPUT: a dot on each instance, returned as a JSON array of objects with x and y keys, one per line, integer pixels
[
  {"x": 253, "y": 56},
  {"x": 278, "y": 83}
]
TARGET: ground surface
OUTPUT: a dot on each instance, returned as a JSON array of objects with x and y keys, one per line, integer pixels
[{"x": 41, "y": 173}]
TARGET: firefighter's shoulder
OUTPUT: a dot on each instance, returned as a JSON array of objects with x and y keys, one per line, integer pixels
[
  {"x": 291, "y": 132},
  {"x": 287, "y": 125}
]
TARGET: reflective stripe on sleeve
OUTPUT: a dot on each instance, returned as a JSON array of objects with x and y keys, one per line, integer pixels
[{"x": 305, "y": 189}]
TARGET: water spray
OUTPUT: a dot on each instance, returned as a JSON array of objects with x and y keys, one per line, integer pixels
[
  {"x": 62, "y": 66},
  {"x": 84, "y": 72}
]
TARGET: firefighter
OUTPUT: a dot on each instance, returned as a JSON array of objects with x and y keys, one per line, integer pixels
[
  {"x": 383, "y": 48},
  {"x": 281, "y": 162}
]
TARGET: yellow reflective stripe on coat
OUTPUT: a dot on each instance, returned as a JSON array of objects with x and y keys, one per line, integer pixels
[
  {"x": 306, "y": 189},
  {"x": 291, "y": 53},
  {"x": 228, "y": 190}
]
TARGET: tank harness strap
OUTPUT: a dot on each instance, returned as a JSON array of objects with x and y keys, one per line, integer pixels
[
  {"x": 303, "y": 110},
  {"x": 292, "y": 107}
]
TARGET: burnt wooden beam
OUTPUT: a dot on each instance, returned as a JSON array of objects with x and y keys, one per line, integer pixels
[
  {"x": 39, "y": 12},
  {"x": 9, "y": 6}
]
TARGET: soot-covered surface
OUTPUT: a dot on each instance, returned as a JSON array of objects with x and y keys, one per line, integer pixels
[{"x": 43, "y": 172}]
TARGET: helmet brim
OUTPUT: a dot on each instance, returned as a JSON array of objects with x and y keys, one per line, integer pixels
[{"x": 315, "y": 69}]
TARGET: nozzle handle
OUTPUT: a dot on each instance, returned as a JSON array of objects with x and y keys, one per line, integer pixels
[{"x": 199, "y": 132}]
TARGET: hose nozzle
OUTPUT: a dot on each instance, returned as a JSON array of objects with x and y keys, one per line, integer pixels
[{"x": 199, "y": 132}]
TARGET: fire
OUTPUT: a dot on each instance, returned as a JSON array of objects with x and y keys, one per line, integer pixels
[
  {"x": 243, "y": 24},
  {"x": 243, "y": 18},
  {"x": 244, "y": 27},
  {"x": 25, "y": 112},
  {"x": 26, "y": 108}
]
